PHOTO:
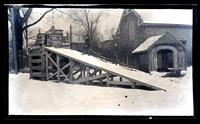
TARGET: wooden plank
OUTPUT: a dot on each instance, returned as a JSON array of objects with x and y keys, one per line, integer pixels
[
  {"x": 71, "y": 70},
  {"x": 107, "y": 79},
  {"x": 121, "y": 83},
  {"x": 47, "y": 65},
  {"x": 35, "y": 53},
  {"x": 67, "y": 65},
  {"x": 89, "y": 78},
  {"x": 79, "y": 76},
  {"x": 36, "y": 60},
  {"x": 52, "y": 75},
  {"x": 88, "y": 74},
  {"x": 35, "y": 67},
  {"x": 58, "y": 66},
  {"x": 120, "y": 78},
  {"x": 77, "y": 71},
  {"x": 83, "y": 72},
  {"x": 48, "y": 55},
  {"x": 100, "y": 72},
  {"x": 37, "y": 74}
]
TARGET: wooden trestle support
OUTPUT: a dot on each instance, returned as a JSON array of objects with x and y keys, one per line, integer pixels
[{"x": 62, "y": 68}]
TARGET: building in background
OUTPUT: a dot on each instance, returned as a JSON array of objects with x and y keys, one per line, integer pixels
[
  {"x": 53, "y": 38},
  {"x": 151, "y": 46}
]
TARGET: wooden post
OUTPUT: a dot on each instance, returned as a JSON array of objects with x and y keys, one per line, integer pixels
[
  {"x": 120, "y": 78},
  {"x": 107, "y": 78},
  {"x": 87, "y": 71},
  {"x": 83, "y": 72},
  {"x": 111, "y": 78},
  {"x": 70, "y": 33},
  {"x": 58, "y": 66},
  {"x": 70, "y": 70},
  {"x": 100, "y": 72},
  {"x": 47, "y": 64}
]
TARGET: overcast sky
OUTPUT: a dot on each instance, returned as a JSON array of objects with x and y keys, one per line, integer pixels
[{"x": 111, "y": 20}]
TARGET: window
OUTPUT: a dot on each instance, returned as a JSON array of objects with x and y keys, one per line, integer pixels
[{"x": 131, "y": 30}]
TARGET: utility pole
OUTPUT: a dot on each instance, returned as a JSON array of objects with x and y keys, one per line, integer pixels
[{"x": 70, "y": 33}]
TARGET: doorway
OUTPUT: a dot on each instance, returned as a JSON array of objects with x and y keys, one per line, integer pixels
[{"x": 164, "y": 60}]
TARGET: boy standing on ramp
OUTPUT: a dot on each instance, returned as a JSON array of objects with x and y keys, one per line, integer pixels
[{"x": 87, "y": 42}]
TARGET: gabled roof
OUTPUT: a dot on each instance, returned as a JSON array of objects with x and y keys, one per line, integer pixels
[
  {"x": 151, "y": 41},
  {"x": 166, "y": 16},
  {"x": 158, "y": 17},
  {"x": 147, "y": 43}
]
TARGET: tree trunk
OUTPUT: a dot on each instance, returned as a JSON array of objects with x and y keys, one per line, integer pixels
[
  {"x": 17, "y": 38},
  {"x": 13, "y": 42}
]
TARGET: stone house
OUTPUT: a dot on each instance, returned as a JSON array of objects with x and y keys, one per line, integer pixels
[{"x": 152, "y": 46}]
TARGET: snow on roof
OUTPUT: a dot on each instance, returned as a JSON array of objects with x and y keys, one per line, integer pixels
[
  {"x": 149, "y": 16},
  {"x": 166, "y": 16},
  {"x": 147, "y": 43}
]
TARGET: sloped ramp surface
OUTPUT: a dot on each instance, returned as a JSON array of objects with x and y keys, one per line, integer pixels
[{"x": 134, "y": 75}]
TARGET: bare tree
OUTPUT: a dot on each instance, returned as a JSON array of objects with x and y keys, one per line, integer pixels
[
  {"x": 88, "y": 21},
  {"x": 18, "y": 18}
]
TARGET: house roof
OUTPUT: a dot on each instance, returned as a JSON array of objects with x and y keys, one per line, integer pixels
[
  {"x": 151, "y": 17},
  {"x": 147, "y": 43},
  {"x": 166, "y": 16},
  {"x": 165, "y": 38}
]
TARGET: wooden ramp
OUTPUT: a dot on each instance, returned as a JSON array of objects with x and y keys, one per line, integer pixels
[{"x": 82, "y": 68}]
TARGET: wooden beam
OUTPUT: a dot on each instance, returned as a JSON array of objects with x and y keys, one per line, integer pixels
[
  {"x": 95, "y": 72},
  {"x": 47, "y": 69},
  {"x": 111, "y": 78},
  {"x": 88, "y": 74},
  {"x": 83, "y": 72},
  {"x": 121, "y": 83},
  {"x": 87, "y": 79},
  {"x": 79, "y": 76},
  {"x": 107, "y": 78},
  {"x": 100, "y": 72},
  {"x": 77, "y": 71},
  {"x": 52, "y": 75},
  {"x": 52, "y": 60},
  {"x": 71, "y": 70},
  {"x": 120, "y": 78},
  {"x": 58, "y": 66},
  {"x": 67, "y": 65},
  {"x": 36, "y": 60}
]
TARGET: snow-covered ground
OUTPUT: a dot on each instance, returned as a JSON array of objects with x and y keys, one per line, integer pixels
[{"x": 34, "y": 97}]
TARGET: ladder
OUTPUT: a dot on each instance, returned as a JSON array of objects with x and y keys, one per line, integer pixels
[{"x": 37, "y": 64}]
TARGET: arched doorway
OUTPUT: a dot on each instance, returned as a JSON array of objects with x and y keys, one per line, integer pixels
[
  {"x": 164, "y": 60},
  {"x": 162, "y": 57}
]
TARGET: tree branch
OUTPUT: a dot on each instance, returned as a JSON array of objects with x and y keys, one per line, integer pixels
[
  {"x": 37, "y": 20},
  {"x": 97, "y": 21},
  {"x": 26, "y": 15},
  {"x": 9, "y": 18}
]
